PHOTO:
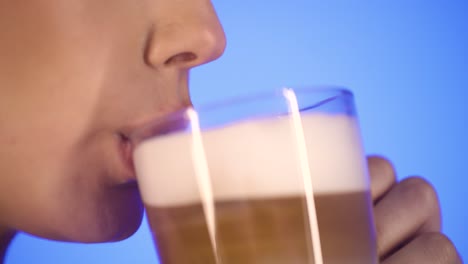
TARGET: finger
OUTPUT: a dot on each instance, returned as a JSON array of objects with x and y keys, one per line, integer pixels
[
  {"x": 434, "y": 248},
  {"x": 409, "y": 208},
  {"x": 382, "y": 176}
]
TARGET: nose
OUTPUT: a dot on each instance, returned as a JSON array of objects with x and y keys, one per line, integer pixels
[{"x": 184, "y": 34}]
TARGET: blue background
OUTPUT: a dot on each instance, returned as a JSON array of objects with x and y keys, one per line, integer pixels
[{"x": 406, "y": 61}]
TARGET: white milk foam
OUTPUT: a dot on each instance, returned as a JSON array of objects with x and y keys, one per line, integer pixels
[{"x": 254, "y": 159}]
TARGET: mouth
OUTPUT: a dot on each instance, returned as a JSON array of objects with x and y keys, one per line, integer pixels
[
  {"x": 131, "y": 135},
  {"x": 126, "y": 155}
]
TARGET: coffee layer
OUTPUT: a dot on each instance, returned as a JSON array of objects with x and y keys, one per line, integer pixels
[{"x": 267, "y": 231}]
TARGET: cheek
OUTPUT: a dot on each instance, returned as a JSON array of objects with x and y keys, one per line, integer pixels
[
  {"x": 43, "y": 127},
  {"x": 52, "y": 92}
]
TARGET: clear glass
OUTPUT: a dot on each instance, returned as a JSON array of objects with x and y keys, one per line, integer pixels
[{"x": 276, "y": 178}]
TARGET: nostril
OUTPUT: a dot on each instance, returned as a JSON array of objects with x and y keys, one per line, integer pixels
[{"x": 181, "y": 58}]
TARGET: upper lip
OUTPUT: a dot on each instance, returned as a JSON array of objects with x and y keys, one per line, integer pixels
[{"x": 160, "y": 125}]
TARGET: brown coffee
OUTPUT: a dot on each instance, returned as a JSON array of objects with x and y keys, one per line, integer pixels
[{"x": 266, "y": 231}]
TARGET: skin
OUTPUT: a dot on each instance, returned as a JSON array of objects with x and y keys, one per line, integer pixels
[
  {"x": 77, "y": 77},
  {"x": 407, "y": 218}
]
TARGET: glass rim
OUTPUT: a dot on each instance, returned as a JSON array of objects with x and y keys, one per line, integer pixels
[
  {"x": 334, "y": 92},
  {"x": 338, "y": 91}
]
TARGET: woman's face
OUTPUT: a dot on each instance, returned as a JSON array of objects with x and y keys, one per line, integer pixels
[{"x": 76, "y": 77}]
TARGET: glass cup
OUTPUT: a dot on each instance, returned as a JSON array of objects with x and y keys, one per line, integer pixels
[{"x": 275, "y": 178}]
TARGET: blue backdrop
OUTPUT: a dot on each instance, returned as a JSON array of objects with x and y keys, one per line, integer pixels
[{"x": 406, "y": 61}]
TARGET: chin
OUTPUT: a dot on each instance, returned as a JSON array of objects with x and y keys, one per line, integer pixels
[{"x": 115, "y": 217}]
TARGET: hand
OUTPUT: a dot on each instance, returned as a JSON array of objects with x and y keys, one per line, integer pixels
[{"x": 408, "y": 220}]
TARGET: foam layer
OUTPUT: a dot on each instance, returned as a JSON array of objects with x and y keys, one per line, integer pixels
[{"x": 254, "y": 159}]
